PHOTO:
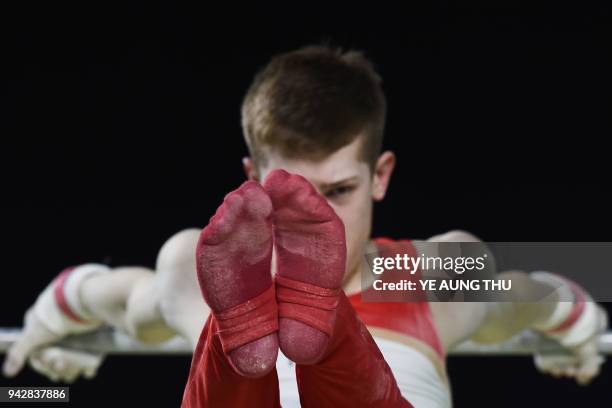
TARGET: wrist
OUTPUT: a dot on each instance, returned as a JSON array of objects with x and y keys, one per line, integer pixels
[
  {"x": 59, "y": 307},
  {"x": 574, "y": 318}
]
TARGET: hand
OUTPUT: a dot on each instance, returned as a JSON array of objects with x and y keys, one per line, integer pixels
[
  {"x": 59, "y": 364},
  {"x": 46, "y": 321},
  {"x": 584, "y": 364},
  {"x": 34, "y": 335}
]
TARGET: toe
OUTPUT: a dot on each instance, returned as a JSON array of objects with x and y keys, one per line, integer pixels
[
  {"x": 259, "y": 204},
  {"x": 279, "y": 185}
]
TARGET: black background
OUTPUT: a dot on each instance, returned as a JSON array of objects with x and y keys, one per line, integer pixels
[{"x": 120, "y": 126}]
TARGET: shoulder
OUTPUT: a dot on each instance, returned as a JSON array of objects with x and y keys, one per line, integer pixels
[
  {"x": 424, "y": 246},
  {"x": 176, "y": 265},
  {"x": 455, "y": 236},
  {"x": 178, "y": 249},
  {"x": 181, "y": 302}
]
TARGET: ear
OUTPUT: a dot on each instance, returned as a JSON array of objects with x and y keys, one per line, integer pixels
[
  {"x": 249, "y": 169},
  {"x": 382, "y": 175}
]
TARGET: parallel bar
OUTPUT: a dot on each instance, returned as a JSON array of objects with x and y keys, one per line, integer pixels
[
  {"x": 526, "y": 344},
  {"x": 110, "y": 342},
  {"x": 105, "y": 341}
]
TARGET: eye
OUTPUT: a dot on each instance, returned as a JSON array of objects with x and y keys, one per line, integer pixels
[{"x": 339, "y": 191}]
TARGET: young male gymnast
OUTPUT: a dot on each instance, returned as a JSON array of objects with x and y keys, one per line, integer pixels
[{"x": 279, "y": 267}]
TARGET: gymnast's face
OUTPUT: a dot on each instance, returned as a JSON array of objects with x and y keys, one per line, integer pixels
[{"x": 347, "y": 182}]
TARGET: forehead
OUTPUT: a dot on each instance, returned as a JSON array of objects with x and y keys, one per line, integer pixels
[{"x": 340, "y": 165}]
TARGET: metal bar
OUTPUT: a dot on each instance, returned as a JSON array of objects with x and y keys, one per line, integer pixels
[{"x": 111, "y": 342}]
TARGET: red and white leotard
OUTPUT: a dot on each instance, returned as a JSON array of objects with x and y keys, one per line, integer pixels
[{"x": 415, "y": 372}]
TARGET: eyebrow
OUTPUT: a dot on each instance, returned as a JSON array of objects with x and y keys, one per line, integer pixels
[{"x": 331, "y": 186}]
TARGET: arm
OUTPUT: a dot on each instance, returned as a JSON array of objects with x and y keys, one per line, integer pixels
[
  {"x": 151, "y": 307},
  {"x": 575, "y": 325},
  {"x": 517, "y": 312},
  {"x": 128, "y": 300},
  {"x": 79, "y": 300},
  {"x": 497, "y": 321}
]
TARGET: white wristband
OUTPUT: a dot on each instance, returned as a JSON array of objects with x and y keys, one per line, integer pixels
[
  {"x": 59, "y": 307},
  {"x": 565, "y": 299},
  {"x": 582, "y": 330},
  {"x": 585, "y": 325}
]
